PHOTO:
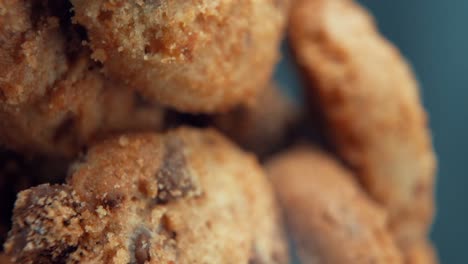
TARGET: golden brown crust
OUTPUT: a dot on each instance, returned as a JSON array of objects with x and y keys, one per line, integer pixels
[
  {"x": 331, "y": 219},
  {"x": 33, "y": 49},
  {"x": 371, "y": 106},
  {"x": 187, "y": 196},
  {"x": 194, "y": 55}
]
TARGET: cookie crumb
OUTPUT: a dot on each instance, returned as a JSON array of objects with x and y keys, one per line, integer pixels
[{"x": 101, "y": 211}]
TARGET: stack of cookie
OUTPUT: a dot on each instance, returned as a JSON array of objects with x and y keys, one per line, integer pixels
[{"x": 151, "y": 132}]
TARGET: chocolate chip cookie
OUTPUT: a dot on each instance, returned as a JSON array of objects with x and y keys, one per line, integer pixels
[
  {"x": 331, "y": 219},
  {"x": 187, "y": 196}
]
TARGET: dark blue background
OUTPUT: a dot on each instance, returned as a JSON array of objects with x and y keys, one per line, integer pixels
[{"x": 433, "y": 35}]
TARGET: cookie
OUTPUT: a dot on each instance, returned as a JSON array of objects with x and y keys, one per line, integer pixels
[
  {"x": 421, "y": 252},
  {"x": 371, "y": 106},
  {"x": 187, "y": 196},
  {"x": 331, "y": 219},
  {"x": 263, "y": 126},
  {"x": 195, "y": 56}
]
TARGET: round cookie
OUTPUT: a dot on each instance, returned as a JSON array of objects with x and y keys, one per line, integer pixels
[
  {"x": 32, "y": 48},
  {"x": 330, "y": 218},
  {"x": 371, "y": 106},
  {"x": 187, "y": 196},
  {"x": 196, "y": 56}
]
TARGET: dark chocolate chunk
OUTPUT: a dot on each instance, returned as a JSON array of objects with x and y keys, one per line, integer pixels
[
  {"x": 142, "y": 246},
  {"x": 173, "y": 177},
  {"x": 112, "y": 200},
  {"x": 166, "y": 229},
  {"x": 33, "y": 221}
]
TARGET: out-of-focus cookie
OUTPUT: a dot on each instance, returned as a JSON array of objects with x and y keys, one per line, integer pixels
[
  {"x": 330, "y": 218},
  {"x": 262, "y": 126},
  {"x": 371, "y": 106},
  {"x": 187, "y": 196},
  {"x": 196, "y": 56}
]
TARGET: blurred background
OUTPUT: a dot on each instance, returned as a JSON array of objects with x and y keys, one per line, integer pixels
[{"x": 433, "y": 36}]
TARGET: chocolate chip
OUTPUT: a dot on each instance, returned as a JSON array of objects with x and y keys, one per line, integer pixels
[
  {"x": 112, "y": 200},
  {"x": 35, "y": 228},
  {"x": 105, "y": 15},
  {"x": 164, "y": 238},
  {"x": 174, "y": 178},
  {"x": 166, "y": 228},
  {"x": 142, "y": 246},
  {"x": 143, "y": 187}
]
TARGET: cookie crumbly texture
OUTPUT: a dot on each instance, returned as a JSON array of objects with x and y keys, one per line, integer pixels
[
  {"x": 188, "y": 196},
  {"x": 263, "y": 126},
  {"x": 371, "y": 106},
  {"x": 331, "y": 219},
  {"x": 193, "y": 55},
  {"x": 33, "y": 49},
  {"x": 81, "y": 106},
  {"x": 19, "y": 172},
  {"x": 62, "y": 102}
]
